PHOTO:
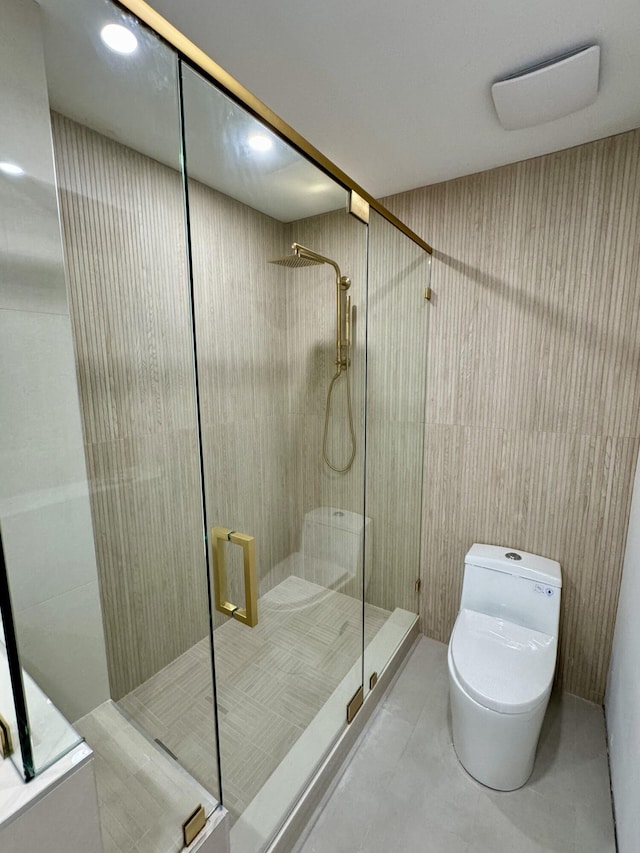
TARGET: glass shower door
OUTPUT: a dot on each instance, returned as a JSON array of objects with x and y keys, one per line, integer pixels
[{"x": 280, "y": 364}]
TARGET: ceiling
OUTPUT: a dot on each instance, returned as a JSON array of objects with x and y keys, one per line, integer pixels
[
  {"x": 398, "y": 94},
  {"x": 134, "y": 100}
]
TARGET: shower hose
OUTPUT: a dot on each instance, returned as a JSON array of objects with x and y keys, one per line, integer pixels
[{"x": 327, "y": 416}]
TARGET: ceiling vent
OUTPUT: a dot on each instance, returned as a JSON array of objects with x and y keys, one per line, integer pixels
[{"x": 548, "y": 91}]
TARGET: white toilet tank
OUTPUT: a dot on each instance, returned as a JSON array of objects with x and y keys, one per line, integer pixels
[
  {"x": 514, "y": 585},
  {"x": 335, "y": 538}
]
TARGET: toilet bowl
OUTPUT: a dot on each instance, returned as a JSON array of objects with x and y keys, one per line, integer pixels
[{"x": 501, "y": 659}]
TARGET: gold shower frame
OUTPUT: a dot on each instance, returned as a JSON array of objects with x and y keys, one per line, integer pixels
[{"x": 197, "y": 58}]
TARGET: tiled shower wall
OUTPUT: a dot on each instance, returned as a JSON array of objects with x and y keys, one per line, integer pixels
[
  {"x": 533, "y": 399},
  {"x": 123, "y": 234},
  {"x": 311, "y": 349},
  {"x": 265, "y": 356},
  {"x": 124, "y": 237},
  {"x": 266, "y": 350},
  {"x": 397, "y": 318}
]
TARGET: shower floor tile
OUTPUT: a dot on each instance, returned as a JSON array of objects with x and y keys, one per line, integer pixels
[
  {"x": 272, "y": 681},
  {"x": 404, "y": 789},
  {"x": 143, "y": 795}
]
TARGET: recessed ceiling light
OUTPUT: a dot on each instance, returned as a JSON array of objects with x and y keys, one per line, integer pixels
[
  {"x": 118, "y": 38},
  {"x": 11, "y": 169},
  {"x": 260, "y": 142},
  {"x": 319, "y": 187}
]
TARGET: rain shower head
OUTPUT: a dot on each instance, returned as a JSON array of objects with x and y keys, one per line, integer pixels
[
  {"x": 294, "y": 261},
  {"x": 303, "y": 257}
]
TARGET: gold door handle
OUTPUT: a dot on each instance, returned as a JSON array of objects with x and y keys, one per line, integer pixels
[{"x": 249, "y": 613}]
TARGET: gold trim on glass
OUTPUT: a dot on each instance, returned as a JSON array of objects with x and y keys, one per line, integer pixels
[
  {"x": 199, "y": 59},
  {"x": 355, "y": 704},
  {"x": 248, "y": 614},
  {"x": 194, "y": 825},
  {"x": 358, "y": 207}
]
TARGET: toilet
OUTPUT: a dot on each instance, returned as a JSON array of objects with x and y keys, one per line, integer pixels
[{"x": 502, "y": 658}]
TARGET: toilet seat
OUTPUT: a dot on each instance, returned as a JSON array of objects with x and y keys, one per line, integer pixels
[{"x": 503, "y": 666}]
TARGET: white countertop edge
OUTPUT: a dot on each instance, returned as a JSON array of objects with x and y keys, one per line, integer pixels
[{"x": 16, "y": 795}]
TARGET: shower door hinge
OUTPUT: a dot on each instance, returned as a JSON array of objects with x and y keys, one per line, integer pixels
[
  {"x": 418, "y": 585},
  {"x": 427, "y": 294},
  {"x": 354, "y": 705},
  {"x": 6, "y": 744},
  {"x": 193, "y": 825},
  {"x": 358, "y": 207}
]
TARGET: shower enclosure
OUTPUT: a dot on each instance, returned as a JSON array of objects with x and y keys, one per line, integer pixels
[{"x": 212, "y": 463}]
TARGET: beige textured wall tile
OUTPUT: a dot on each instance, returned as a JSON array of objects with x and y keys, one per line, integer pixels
[
  {"x": 124, "y": 241},
  {"x": 311, "y": 320},
  {"x": 532, "y": 392}
]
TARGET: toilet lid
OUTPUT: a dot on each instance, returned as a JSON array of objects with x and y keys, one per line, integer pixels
[{"x": 503, "y": 666}]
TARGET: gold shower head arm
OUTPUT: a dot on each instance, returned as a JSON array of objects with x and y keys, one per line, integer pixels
[{"x": 310, "y": 255}]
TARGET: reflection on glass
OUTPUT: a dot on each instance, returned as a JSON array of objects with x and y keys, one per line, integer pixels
[{"x": 99, "y": 481}]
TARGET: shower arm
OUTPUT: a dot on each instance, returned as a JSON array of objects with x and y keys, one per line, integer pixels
[{"x": 343, "y": 308}]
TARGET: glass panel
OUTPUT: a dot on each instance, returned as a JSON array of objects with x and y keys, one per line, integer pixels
[
  {"x": 122, "y": 207},
  {"x": 266, "y": 323},
  {"x": 42, "y": 497},
  {"x": 100, "y": 487},
  {"x": 399, "y": 272}
]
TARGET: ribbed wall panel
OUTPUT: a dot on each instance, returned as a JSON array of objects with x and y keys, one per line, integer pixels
[
  {"x": 311, "y": 348},
  {"x": 533, "y": 399},
  {"x": 124, "y": 239},
  {"x": 240, "y": 308},
  {"x": 125, "y": 246}
]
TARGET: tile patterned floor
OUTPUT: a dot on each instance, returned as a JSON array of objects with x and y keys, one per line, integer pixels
[
  {"x": 404, "y": 789},
  {"x": 272, "y": 681},
  {"x": 144, "y": 796}
]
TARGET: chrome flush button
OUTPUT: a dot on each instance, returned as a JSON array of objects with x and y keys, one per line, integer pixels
[{"x": 511, "y": 555}]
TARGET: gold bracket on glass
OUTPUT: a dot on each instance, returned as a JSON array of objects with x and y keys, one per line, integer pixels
[
  {"x": 6, "y": 744},
  {"x": 355, "y": 703},
  {"x": 358, "y": 207},
  {"x": 193, "y": 825},
  {"x": 249, "y": 613}
]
